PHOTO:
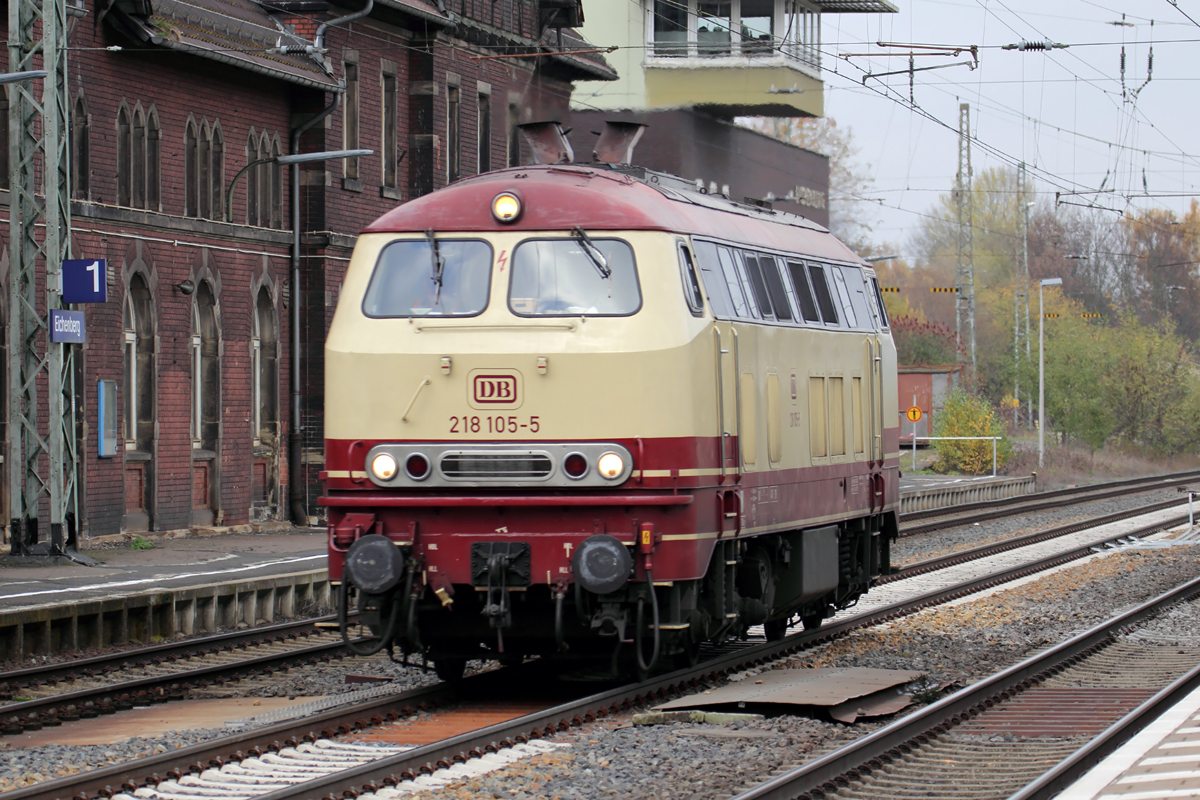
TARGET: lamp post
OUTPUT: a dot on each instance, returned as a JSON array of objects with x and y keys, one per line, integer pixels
[
  {"x": 299, "y": 158},
  {"x": 1042, "y": 367}
]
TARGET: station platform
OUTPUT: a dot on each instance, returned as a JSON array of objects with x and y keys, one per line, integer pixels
[
  {"x": 1160, "y": 763},
  {"x": 174, "y": 586}
]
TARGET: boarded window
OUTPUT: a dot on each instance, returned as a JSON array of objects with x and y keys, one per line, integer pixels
[
  {"x": 837, "y": 417},
  {"x": 816, "y": 418},
  {"x": 4, "y": 178},
  {"x": 514, "y": 136},
  {"x": 124, "y": 156},
  {"x": 350, "y": 119},
  {"x": 391, "y": 147},
  {"x": 252, "y": 196},
  {"x": 453, "y": 133},
  {"x": 748, "y": 435},
  {"x": 153, "y": 161},
  {"x": 191, "y": 170},
  {"x": 276, "y": 173},
  {"x": 205, "y": 172},
  {"x": 484, "y": 135},
  {"x": 216, "y": 187},
  {"x": 139, "y": 159},
  {"x": 80, "y": 141}
]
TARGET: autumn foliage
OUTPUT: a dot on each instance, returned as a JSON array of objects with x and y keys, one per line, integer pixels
[{"x": 922, "y": 343}]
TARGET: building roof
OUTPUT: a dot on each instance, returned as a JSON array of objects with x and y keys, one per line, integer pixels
[
  {"x": 594, "y": 65},
  {"x": 236, "y": 32}
]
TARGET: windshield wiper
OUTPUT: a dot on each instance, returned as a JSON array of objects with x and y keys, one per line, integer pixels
[
  {"x": 595, "y": 255},
  {"x": 439, "y": 264}
]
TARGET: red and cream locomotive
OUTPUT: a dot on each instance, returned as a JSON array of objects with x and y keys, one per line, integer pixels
[{"x": 588, "y": 411}]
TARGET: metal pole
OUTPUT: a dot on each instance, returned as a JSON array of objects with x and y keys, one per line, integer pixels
[
  {"x": 1041, "y": 377},
  {"x": 914, "y": 439},
  {"x": 994, "y": 438}
]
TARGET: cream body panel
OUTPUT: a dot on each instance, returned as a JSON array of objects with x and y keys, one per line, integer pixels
[{"x": 650, "y": 374}]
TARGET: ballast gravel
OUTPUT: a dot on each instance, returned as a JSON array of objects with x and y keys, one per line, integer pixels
[
  {"x": 951, "y": 540},
  {"x": 961, "y": 643}
]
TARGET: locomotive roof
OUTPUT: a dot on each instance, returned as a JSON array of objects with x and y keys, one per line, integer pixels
[{"x": 599, "y": 197}]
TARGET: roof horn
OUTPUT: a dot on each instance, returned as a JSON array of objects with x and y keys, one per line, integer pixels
[
  {"x": 549, "y": 142},
  {"x": 617, "y": 142}
]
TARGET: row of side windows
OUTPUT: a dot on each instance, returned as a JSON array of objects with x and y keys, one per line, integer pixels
[{"x": 768, "y": 287}]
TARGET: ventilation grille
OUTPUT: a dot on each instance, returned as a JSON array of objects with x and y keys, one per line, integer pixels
[{"x": 482, "y": 466}]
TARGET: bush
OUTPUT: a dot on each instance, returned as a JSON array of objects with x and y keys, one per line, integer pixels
[
  {"x": 967, "y": 415},
  {"x": 920, "y": 343}
]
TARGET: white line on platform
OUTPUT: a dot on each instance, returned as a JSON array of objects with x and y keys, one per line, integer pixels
[{"x": 161, "y": 578}]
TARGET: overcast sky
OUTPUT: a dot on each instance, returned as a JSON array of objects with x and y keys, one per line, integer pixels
[{"x": 1061, "y": 112}]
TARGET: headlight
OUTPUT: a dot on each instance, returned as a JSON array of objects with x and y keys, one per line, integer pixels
[
  {"x": 506, "y": 207},
  {"x": 610, "y": 465},
  {"x": 383, "y": 467}
]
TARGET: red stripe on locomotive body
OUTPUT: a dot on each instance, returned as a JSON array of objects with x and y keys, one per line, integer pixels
[{"x": 556, "y": 521}]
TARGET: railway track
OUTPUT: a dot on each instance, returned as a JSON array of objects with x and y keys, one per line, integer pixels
[
  {"x": 208, "y": 769},
  {"x": 1096, "y": 682},
  {"x": 971, "y": 513},
  {"x": 89, "y": 687}
]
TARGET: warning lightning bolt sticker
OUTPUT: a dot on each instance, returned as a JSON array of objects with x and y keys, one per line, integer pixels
[{"x": 503, "y": 259}]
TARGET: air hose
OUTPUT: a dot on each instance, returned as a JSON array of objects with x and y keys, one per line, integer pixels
[
  {"x": 637, "y": 645},
  {"x": 388, "y": 631}
]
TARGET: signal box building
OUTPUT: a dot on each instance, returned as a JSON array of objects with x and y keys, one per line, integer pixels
[
  {"x": 688, "y": 68},
  {"x": 170, "y": 101}
]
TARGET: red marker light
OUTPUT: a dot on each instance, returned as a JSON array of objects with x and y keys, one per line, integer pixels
[
  {"x": 417, "y": 467},
  {"x": 575, "y": 465}
]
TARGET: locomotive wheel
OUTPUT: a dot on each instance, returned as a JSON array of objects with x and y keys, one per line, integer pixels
[
  {"x": 450, "y": 670},
  {"x": 812, "y": 621},
  {"x": 776, "y": 629}
]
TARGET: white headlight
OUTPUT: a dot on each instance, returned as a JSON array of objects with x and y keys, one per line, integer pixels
[
  {"x": 610, "y": 465},
  {"x": 383, "y": 467}
]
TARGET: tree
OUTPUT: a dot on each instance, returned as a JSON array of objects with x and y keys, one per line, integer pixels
[
  {"x": 1165, "y": 251},
  {"x": 850, "y": 217}
]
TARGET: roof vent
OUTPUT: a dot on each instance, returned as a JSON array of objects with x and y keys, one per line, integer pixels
[
  {"x": 617, "y": 142},
  {"x": 548, "y": 142}
]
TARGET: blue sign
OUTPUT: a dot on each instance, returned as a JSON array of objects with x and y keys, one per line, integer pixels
[
  {"x": 67, "y": 327},
  {"x": 85, "y": 281}
]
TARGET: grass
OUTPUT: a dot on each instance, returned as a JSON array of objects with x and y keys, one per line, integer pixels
[{"x": 138, "y": 543}]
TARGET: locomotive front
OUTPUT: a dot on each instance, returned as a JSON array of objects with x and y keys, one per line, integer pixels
[{"x": 500, "y": 387}]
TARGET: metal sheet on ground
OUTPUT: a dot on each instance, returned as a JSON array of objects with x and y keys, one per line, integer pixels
[{"x": 798, "y": 687}]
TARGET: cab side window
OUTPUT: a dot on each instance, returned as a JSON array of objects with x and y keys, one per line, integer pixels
[
  {"x": 691, "y": 283},
  {"x": 804, "y": 295},
  {"x": 713, "y": 279}
]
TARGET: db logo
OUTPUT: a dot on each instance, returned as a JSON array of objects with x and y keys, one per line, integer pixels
[{"x": 493, "y": 388}]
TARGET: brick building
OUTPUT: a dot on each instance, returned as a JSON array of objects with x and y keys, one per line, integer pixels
[{"x": 170, "y": 100}]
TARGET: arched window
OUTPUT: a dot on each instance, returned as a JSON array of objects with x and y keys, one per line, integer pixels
[
  {"x": 139, "y": 366},
  {"x": 252, "y": 154},
  {"x": 217, "y": 173},
  {"x": 124, "y": 155},
  {"x": 153, "y": 161},
  {"x": 139, "y": 158},
  {"x": 191, "y": 170},
  {"x": 265, "y": 349},
  {"x": 276, "y": 186},
  {"x": 205, "y": 171},
  {"x": 206, "y": 388},
  {"x": 264, "y": 182},
  {"x": 81, "y": 124}
]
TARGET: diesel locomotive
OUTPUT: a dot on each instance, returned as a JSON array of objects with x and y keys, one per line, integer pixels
[{"x": 590, "y": 411}]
